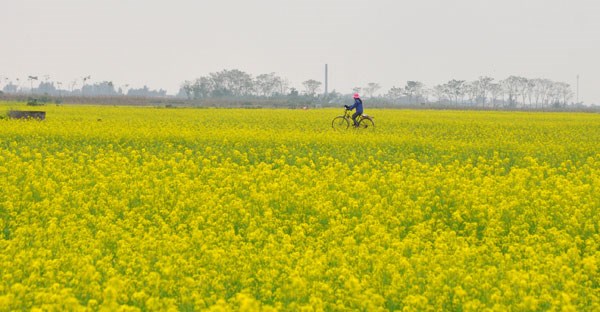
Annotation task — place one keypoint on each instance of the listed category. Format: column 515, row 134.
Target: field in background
column 192, row 209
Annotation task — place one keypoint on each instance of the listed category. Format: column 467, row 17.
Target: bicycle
column 343, row 122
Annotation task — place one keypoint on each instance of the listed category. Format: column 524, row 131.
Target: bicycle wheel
column 366, row 123
column 340, row 123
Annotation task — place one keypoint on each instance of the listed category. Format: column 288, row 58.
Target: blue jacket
column 358, row 105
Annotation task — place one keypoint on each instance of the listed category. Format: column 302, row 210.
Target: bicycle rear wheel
column 366, row 123
column 340, row 123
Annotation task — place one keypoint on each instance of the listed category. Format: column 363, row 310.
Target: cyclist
column 358, row 104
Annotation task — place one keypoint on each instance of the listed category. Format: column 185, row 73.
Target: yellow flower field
column 123, row 208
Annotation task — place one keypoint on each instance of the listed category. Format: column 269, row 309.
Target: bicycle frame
column 347, row 116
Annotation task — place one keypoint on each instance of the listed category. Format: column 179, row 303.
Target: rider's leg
column 356, row 114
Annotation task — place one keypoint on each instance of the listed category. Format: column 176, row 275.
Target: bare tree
column 413, row 89
column 263, row 85
column 522, row 87
column 564, row 92
column 283, row 85
column 440, row 92
column 395, row 94
column 511, row 87
column 530, row 90
column 472, row 91
column 187, row 88
column 543, row 90
column 456, row 89
column 495, row 91
column 537, row 90
column 230, row 83
column 267, row 84
column 371, row 88
column 483, row 88
column 311, row 87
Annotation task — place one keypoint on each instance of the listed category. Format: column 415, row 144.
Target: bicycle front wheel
column 340, row 123
column 366, row 123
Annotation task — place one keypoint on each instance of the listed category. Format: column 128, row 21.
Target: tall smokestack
column 325, row 79
column 577, row 86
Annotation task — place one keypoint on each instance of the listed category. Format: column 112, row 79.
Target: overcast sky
column 163, row 43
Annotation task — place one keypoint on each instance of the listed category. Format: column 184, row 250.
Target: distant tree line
column 79, row 87
column 234, row 84
column 513, row 91
column 485, row 92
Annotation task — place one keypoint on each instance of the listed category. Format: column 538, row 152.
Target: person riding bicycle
column 358, row 104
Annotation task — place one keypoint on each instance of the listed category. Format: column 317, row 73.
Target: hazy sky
column 163, row 43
